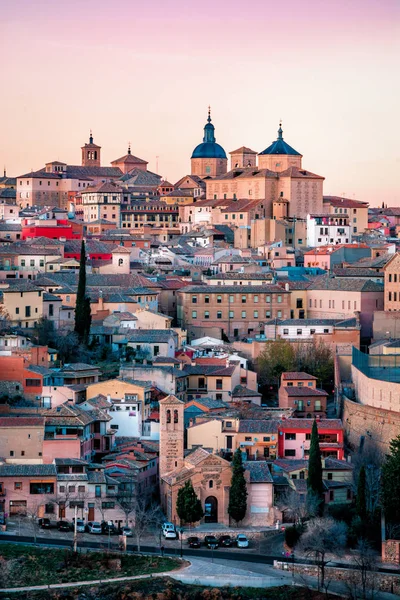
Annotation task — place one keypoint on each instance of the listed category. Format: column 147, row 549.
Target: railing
column 377, row 366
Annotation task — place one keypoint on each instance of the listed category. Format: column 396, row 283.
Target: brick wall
column 358, row 419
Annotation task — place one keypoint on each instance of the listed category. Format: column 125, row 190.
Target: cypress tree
column 82, row 308
column 238, row 492
column 314, row 482
column 361, row 503
column 390, row 483
column 188, row 505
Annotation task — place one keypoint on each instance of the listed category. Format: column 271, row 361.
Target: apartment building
column 230, row 310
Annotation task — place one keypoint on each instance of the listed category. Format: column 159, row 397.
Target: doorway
column 211, row 510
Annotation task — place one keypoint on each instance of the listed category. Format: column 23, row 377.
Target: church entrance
column 211, row 510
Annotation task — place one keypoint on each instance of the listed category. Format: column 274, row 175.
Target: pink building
column 295, row 435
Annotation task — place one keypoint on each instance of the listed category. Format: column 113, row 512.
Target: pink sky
column 146, row 72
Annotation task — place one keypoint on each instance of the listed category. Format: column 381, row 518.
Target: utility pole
column 75, row 530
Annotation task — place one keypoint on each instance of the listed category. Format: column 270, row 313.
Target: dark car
column 108, row 528
column 194, row 542
column 63, row 526
column 225, row 540
column 211, row 541
column 44, row 523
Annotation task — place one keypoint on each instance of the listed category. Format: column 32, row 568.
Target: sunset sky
column 145, row 72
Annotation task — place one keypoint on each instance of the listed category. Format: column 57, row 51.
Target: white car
column 169, row 531
column 242, row 541
column 94, row 527
column 80, row 525
column 127, row 531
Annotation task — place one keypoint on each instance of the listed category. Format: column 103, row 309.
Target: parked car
column 94, row 527
column 169, row 531
column 242, row 541
column 225, row 541
column 211, row 541
column 194, row 542
column 109, row 528
column 44, row 523
column 63, row 526
column 127, row 531
column 80, row 525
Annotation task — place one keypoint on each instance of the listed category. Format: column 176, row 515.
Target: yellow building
column 23, row 304
column 356, row 211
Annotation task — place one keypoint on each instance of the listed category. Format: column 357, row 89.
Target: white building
column 328, row 229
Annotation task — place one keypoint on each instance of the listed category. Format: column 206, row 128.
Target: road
column 232, row 554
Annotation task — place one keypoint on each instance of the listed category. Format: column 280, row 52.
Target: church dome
column 280, row 146
column 209, row 148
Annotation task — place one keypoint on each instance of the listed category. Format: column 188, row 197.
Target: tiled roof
column 234, row 289
column 345, row 285
column 72, row 477
column 242, row 276
column 259, row 471
column 297, row 375
column 258, row 426
column 241, row 391
column 70, row 462
column 289, row 465
column 196, row 456
column 96, row 477
column 303, row 392
column 336, row 464
column 8, row 470
column 244, row 150
column 150, row 335
column 339, row 202
column 21, row 422
column 307, row 424
column 299, row 484
column 360, row 272
column 209, row 403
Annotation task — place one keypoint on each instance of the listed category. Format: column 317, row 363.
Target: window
column 18, row 485
column 32, row 382
column 49, row 509
column 27, row 311
column 279, row 299
column 41, row 488
column 243, row 314
column 231, row 299
column 51, row 310
column 108, row 504
column 244, row 299
column 168, row 416
column 176, row 416
column 266, row 439
column 219, row 315
column 219, row 299
column 267, row 314
column 207, row 299
column 194, row 299
column 299, row 302
column 97, row 491
column 23, row 263
column 71, row 489
column 194, row 314
column 290, row 436
column 390, row 276
column 290, row 452
column 299, row 332
column 279, row 314
column 286, row 332
column 308, row 436
column 218, row 384
column 312, row 331
column 255, row 314
column 211, row 483
column 206, row 314
column 81, row 488
column 248, row 439
column 268, row 299
column 255, row 299
column 231, row 314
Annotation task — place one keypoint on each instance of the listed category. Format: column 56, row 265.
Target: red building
column 64, row 229
column 295, row 435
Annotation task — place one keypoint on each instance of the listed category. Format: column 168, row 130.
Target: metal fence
column 377, row 366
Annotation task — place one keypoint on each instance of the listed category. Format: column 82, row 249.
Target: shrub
column 292, row 535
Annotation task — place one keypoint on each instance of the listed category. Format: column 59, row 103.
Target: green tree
column 82, row 308
column 188, row 505
column 276, row 358
column 361, row 503
column 238, row 492
column 391, row 483
column 314, row 481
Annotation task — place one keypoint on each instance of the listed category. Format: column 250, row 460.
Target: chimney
column 109, row 397
column 101, row 302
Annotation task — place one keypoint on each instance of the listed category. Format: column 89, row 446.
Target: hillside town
column 221, row 351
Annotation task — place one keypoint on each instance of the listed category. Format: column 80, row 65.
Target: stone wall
column 11, row 388
column 377, row 426
column 385, row 582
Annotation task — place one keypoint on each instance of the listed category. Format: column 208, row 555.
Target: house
column 298, row 391
column 328, row 229
column 149, row 343
column 355, row 209
column 295, row 436
column 26, row 489
column 21, row 438
column 23, row 303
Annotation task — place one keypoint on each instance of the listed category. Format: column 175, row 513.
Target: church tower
column 171, row 434
column 209, row 158
column 91, row 154
column 279, row 156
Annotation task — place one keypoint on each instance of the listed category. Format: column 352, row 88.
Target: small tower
column 279, row 156
column 209, row 158
column 121, row 260
column 91, row 153
column 171, row 434
column 243, row 157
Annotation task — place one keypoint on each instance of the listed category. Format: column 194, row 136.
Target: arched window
column 95, row 154
column 120, row 262
column 88, row 155
column 211, row 483
column 175, row 416
column 168, row 416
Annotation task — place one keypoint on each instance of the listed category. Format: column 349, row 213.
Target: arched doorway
column 211, row 510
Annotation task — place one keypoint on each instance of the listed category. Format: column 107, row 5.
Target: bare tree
column 323, row 537
column 297, row 507
column 362, row 582
column 32, row 515
column 126, row 498
column 147, row 519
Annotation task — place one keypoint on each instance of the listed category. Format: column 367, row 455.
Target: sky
column 145, row 72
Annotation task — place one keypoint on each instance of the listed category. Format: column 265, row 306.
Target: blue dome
column 280, row 146
column 209, row 148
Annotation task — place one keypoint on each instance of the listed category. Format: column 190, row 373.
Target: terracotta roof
column 243, row 149
column 21, row 422
column 339, row 202
column 303, row 391
column 307, row 424
column 8, row 470
column 103, row 187
column 297, row 375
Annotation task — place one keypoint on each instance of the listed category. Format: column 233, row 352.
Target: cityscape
column 199, row 373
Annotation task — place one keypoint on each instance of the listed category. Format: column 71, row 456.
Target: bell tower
column 171, row 434
column 91, row 153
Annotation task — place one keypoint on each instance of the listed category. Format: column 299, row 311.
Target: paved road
column 231, row 554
